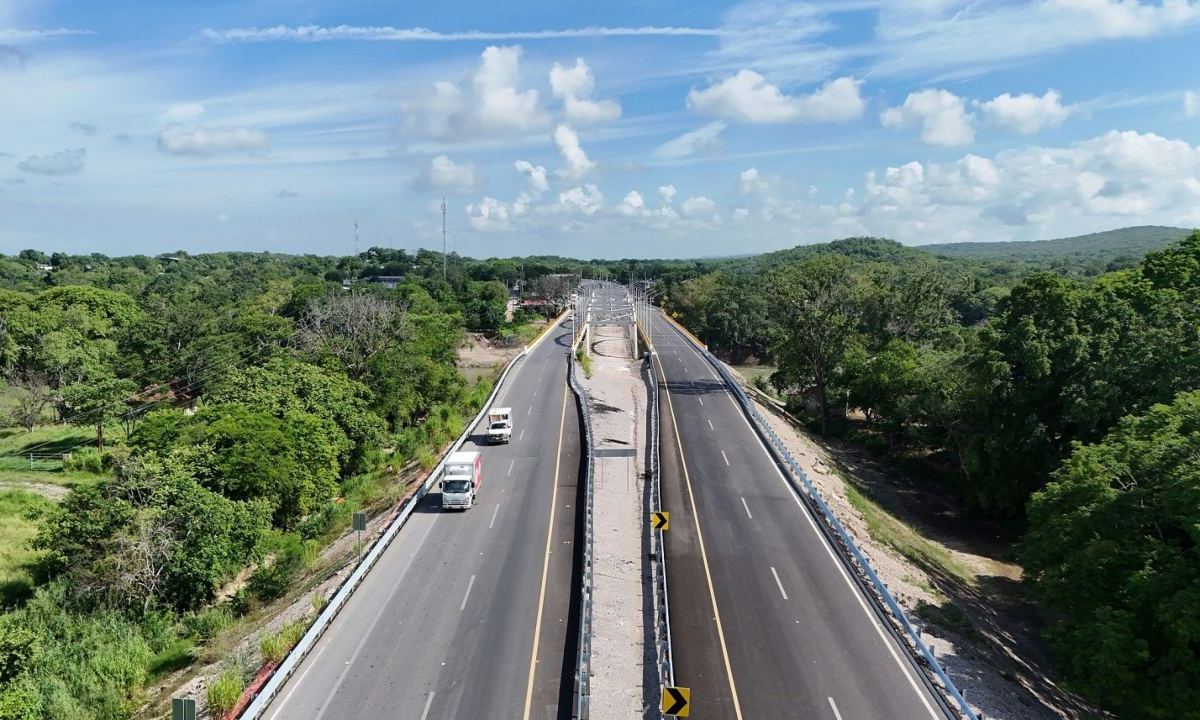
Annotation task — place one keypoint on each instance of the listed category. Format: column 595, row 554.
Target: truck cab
column 499, row 425
column 461, row 479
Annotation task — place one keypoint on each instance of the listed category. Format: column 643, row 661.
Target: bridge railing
column 658, row 553
column 858, row 562
column 581, row 705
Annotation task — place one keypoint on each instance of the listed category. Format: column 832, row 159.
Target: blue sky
column 616, row 129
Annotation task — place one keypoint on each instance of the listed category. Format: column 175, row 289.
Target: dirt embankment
column 950, row 572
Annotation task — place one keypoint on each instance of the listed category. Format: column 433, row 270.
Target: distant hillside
column 1090, row 254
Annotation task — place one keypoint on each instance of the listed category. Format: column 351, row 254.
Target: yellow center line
column 537, row 626
column 737, row 708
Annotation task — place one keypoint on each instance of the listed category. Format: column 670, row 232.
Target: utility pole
column 443, row 238
column 355, row 238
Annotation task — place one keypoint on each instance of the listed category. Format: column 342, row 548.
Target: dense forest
column 1084, row 254
column 230, row 411
column 1064, row 405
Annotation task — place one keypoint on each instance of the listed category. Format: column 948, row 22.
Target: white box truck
column 499, row 425
column 461, row 480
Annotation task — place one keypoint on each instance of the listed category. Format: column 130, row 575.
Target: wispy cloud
column 385, row 33
column 10, row 35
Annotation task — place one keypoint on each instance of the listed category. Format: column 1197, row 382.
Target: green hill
column 1091, row 254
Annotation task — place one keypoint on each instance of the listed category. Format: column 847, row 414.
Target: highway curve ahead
column 788, row 634
column 444, row 626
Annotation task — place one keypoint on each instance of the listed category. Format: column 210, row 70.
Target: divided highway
column 765, row 620
column 467, row 614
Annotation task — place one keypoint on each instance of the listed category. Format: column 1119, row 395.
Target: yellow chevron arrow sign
column 660, row 520
column 677, row 701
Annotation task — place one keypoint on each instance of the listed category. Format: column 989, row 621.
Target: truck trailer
column 461, row 479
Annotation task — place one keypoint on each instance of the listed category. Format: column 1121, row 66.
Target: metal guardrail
column 658, row 552
column 583, row 661
column 340, row 597
column 858, row 561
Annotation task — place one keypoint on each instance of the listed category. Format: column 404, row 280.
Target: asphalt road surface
column 765, row 620
column 467, row 614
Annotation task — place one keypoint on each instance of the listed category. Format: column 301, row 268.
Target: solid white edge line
column 345, row 670
column 778, row 584
column 832, row 704
column 747, row 509
column 470, row 584
column 429, row 702
column 299, row 682
column 888, row 641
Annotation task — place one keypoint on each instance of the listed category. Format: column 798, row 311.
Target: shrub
column 272, row 580
column 18, row 646
column 277, row 645
column 319, row 602
column 87, row 460
column 21, row 700
column 225, row 690
column 205, row 624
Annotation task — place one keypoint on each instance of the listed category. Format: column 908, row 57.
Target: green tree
column 99, row 403
column 284, row 385
column 1112, row 546
column 818, row 305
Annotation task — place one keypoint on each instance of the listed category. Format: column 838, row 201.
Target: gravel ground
column 986, row 664
column 618, row 400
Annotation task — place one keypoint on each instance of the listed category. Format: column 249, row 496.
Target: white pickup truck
column 499, row 425
column 461, row 480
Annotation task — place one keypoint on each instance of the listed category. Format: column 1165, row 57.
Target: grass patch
column 17, row 528
column 947, row 615
column 900, row 536
column 66, row 478
column 225, row 690
column 47, row 443
column 179, row 654
column 585, row 362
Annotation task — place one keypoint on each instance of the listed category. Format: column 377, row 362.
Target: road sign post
column 183, row 709
column 359, row 523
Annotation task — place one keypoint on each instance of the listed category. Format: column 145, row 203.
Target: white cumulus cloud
column 536, row 173
column 178, row 139
column 442, row 173
column 586, row 199
column 1026, row 113
column 63, row 162
column 702, row 139
column 748, row 97
column 697, row 205
column 632, row 205
column 1191, row 104
column 487, row 103
column 574, row 86
column 488, row 214
column 942, row 115
column 572, row 153
column 667, row 193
